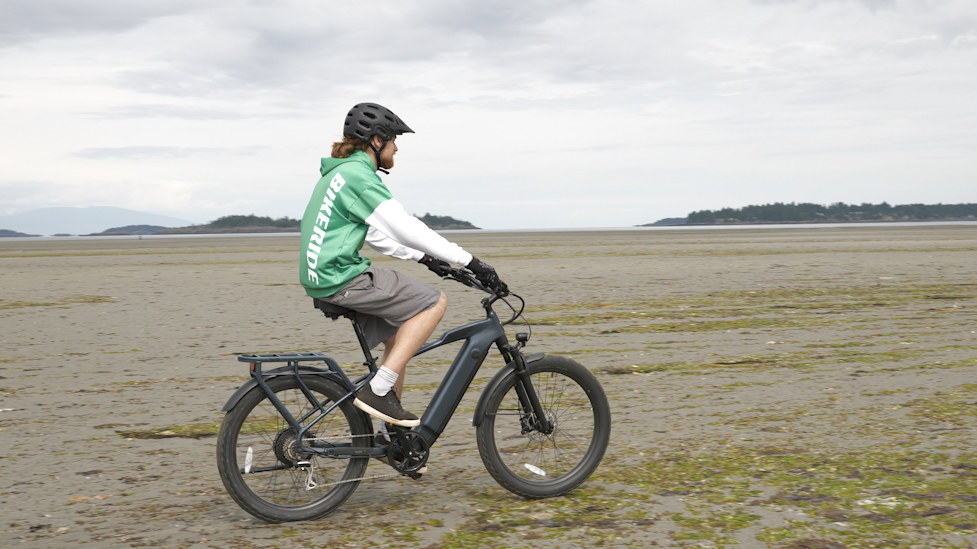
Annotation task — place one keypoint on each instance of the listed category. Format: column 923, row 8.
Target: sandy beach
column 808, row 388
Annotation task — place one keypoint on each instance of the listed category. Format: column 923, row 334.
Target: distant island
column 5, row 233
column 240, row 224
column 259, row 224
column 244, row 224
column 444, row 222
column 128, row 230
column 839, row 212
column 665, row 222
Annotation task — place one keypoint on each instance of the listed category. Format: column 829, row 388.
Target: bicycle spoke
column 271, row 438
column 539, row 457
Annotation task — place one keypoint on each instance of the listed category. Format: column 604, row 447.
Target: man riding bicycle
column 351, row 205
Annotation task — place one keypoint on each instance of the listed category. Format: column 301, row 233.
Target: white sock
column 383, row 381
column 383, row 430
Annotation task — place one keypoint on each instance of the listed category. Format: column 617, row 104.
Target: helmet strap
column 377, row 152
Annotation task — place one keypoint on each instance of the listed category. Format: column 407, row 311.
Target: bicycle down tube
column 479, row 336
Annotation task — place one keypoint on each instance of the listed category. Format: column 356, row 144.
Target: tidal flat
column 801, row 388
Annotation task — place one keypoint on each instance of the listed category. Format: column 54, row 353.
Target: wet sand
column 769, row 388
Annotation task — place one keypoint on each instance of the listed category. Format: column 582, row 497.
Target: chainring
column 414, row 458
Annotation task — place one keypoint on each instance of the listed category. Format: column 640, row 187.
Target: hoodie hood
column 329, row 164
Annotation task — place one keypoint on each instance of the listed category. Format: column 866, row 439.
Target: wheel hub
column 530, row 425
column 286, row 448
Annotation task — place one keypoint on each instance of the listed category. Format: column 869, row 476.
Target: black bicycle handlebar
column 467, row 278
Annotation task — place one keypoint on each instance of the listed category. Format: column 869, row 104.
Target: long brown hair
column 346, row 147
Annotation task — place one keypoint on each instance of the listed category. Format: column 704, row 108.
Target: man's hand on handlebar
column 485, row 274
column 438, row 267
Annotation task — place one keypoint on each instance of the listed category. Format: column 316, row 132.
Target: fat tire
column 552, row 367
column 230, row 469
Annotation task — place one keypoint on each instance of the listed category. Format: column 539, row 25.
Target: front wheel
column 536, row 465
column 257, row 453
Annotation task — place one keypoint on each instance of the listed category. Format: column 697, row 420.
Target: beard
column 387, row 162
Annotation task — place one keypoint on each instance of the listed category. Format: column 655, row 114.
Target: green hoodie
column 334, row 225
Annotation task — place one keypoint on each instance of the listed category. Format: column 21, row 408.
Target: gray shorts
column 385, row 299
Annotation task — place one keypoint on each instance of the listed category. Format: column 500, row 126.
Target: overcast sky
column 528, row 114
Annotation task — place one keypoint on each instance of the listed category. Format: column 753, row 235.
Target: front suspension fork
column 527, row 393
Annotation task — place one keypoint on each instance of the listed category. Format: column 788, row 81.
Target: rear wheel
column 536, row 465
column 260, row 466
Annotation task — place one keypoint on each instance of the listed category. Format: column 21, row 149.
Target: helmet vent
column 370, row 115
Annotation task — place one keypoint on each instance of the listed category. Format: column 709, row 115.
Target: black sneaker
column 387, row 407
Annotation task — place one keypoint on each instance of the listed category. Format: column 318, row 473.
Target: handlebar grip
column 467, row 278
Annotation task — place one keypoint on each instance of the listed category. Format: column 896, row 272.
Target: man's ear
column 376, row 141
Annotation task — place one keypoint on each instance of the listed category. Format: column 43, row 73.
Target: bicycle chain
column 372, row 477
column 338, row 437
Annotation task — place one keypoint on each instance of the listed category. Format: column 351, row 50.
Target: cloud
column 641, row 96
column 508, row 55
column 870, row 4
column 139, row 153
column 307, row 48
column 187, row 113
column 168, row 111
column 516, row 55
column 27, row 20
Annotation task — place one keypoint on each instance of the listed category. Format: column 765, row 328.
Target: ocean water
column 811, row 226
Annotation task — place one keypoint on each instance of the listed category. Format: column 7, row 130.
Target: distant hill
column 444, row 222
column 839, row 212
column 240, row 224
column 95, row 219
column 258, row 224
column 131, row 229
column 4, row 233
column 668, row 221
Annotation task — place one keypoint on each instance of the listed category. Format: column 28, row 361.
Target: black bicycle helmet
column 368, row 119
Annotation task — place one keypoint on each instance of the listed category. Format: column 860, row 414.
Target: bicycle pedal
column 412, row 475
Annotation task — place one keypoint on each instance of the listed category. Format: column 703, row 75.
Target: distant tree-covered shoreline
column 839, row 212
column 240, row 224
column 444, row 222
column 263, row 224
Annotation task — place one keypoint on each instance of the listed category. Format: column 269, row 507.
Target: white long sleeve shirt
column 395, row 233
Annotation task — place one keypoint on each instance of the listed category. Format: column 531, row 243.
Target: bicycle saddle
column 332, row 311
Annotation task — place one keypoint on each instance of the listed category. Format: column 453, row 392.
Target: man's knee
column 442, row 304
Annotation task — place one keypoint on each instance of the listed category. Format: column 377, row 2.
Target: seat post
column 371, row 362
column 336, row 311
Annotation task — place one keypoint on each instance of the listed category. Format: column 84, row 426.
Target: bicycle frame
column 478, row 337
